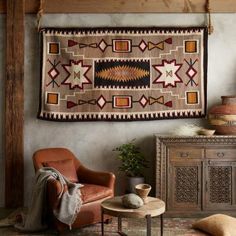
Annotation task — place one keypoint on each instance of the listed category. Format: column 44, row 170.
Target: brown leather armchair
column 98, row 186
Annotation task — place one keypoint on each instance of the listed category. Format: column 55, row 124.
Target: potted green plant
column 133, row 163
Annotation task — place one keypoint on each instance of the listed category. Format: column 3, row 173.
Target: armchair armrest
column 54, row 189
column 86, row 175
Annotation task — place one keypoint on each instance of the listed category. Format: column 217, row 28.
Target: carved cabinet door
column 184, row 185
column 220, row 185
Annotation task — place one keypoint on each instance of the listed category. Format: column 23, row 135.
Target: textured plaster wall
column 93, row 142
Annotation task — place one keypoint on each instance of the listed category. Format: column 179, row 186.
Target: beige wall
column 93, row 142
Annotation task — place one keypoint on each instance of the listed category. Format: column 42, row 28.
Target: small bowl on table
column 206, row 132
column 143, row 190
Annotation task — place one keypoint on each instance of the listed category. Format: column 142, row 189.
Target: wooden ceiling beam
column 127, row 6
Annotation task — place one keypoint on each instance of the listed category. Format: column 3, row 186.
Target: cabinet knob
column 184, row 154
column 220, row 154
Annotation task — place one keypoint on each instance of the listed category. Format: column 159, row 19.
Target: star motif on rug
column 168, row 73
column 77, row 74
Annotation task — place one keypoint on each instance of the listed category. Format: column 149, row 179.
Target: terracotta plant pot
column 143, row 190
column 223, row 117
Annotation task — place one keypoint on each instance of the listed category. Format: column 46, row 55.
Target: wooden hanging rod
column 127, row 6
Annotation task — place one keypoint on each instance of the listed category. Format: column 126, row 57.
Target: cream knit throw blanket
column 70, row 202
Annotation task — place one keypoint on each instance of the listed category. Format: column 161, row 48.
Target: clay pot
column 223, row 117
column 143, row 190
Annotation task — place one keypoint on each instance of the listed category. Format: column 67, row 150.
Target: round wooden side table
column 113, row 207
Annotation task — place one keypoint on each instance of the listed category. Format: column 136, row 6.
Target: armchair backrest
column 53, row 154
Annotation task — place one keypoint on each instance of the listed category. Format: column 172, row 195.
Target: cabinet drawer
column 225, row 153
column 185, row 153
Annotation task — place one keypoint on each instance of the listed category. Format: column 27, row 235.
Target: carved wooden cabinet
column 196, row 175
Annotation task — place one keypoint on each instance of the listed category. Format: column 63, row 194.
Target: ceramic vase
column 143, row 190
column 131, row 182
column 223, row 117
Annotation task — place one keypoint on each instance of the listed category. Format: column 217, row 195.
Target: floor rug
column 133, row 227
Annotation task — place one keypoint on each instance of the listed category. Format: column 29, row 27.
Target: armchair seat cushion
column 91, row 192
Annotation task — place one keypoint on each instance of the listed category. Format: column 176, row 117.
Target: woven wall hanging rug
column 123, row 73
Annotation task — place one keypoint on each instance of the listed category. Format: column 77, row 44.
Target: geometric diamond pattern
column 101, row 101
column 191, row 72
column 102, row 45
column 142, row 45
column 143, row 101
column 53, row 73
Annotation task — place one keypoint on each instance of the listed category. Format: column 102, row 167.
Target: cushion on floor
column 217, row 225
column 91, row 192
